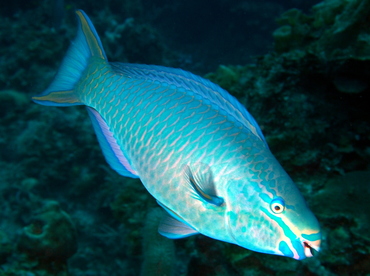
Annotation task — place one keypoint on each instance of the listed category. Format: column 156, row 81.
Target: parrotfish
column 195, row 148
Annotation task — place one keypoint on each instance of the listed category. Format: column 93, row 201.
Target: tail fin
column 87, row 44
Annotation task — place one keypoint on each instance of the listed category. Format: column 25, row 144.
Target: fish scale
column 195, row 148
column 204, row 151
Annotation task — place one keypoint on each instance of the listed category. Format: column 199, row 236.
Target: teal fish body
column 195, row 148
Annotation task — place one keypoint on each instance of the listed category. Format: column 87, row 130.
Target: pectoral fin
column 200, row 178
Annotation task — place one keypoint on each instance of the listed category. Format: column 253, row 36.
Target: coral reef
column 44, row 245
column 24, row 58
column 159, row 252
column 342, row 205
column 51, row 235
column 6, row 246
column 353, row 189
column 11, row 101
column 334, row 30
column 50, row 239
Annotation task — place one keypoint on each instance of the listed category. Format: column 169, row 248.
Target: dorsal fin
column 199, row 87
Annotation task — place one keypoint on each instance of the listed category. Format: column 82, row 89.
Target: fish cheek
column 251, row 231
column 258, row 229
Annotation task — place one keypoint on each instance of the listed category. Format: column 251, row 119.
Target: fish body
column 195, row 148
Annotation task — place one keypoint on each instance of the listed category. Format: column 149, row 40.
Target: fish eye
column 277, row 205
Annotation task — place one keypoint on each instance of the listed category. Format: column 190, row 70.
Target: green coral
column 158, row 251
column 43, row 246
column 24, row 58
column 51, row 236
column 342, row 197
column 133, row 197
column 6, row 246
column 11, row 102
column 342, row 209
column 334, row 29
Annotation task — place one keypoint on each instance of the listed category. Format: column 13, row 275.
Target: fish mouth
column 309, row 247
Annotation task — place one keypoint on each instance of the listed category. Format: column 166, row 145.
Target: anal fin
column 112, row 151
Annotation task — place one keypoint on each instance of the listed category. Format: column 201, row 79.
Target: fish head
column 271, row 217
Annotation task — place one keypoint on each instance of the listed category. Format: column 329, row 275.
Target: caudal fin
column 87, row 44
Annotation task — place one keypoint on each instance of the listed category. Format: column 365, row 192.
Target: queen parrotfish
column 195, row 148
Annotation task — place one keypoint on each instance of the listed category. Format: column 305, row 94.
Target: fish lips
column 310, row 246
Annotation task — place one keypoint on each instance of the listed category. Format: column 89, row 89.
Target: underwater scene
column 185, row 138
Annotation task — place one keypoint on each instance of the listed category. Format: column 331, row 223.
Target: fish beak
column 309, row 245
